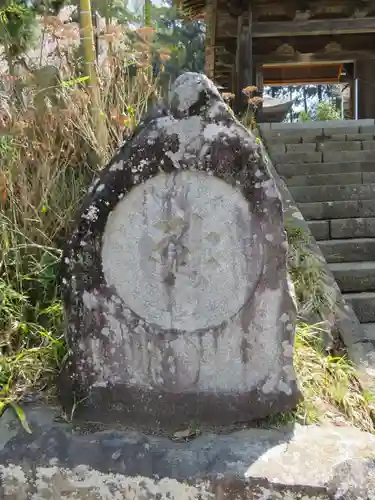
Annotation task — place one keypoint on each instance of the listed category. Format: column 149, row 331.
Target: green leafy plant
column 327, row 111
column 310, row 283
column 304, row 116
column 17, row 30
column 32, row 344
column 329, row 384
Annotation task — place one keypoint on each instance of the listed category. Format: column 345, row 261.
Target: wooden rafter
column 314, row 27
column 302, row 74
column 299, row 27
column 297, row 58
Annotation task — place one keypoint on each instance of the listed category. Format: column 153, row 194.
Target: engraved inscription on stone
column 180, row 251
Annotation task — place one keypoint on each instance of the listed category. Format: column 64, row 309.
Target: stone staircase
column 329, row 168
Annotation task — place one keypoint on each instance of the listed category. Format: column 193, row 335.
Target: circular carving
column 181, row 251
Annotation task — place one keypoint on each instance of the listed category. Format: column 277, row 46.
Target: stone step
column 361, row 136
column 351, row 228
column 344, row 156
column 368, row 177
column 339, row 146
column 363, row 305
column 364, row 136
column 289, row 170
column 369, row 331
column 329, row 126
column 281, row 158
column 368, row 145
column 312, row 194
column 326, row 179
column 304, row 147
column 326, row 128
column 320, row 229
column 277, row 148
column 342, row 228
column 354, row 276
column 292, row 137
column 351, row 250
column 337, row 209
column 303, row 136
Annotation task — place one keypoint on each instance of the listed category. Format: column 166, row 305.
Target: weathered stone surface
column 338, row 209
column 305, row 147
column 319, row 229
column 282, row 158
column 348, row 250
column 341, row 129
column 330, row 125
column 312, row 194
column 369, row 332
column 290, row 170
column 353, row 228
column 368, row 136
column 353, row 480
column 326, row 179
column 368, row 177
column 175, row 278
column 363, row 305
column 277, row 148
column 53, row 483
column 366, row 145
column 293, row 136
column 354, row 276
column 59, row 462
column 367, row 128
column 340, row 146
column 342, row 156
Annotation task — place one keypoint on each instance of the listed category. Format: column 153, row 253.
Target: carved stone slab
column 176, row 291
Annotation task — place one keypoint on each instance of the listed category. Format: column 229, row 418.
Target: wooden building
column 281, row 42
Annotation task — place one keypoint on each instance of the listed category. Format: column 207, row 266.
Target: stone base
column 126, row 406
column 81, row 483
column 59, row 461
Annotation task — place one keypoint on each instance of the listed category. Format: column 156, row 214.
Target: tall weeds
column 48, row 157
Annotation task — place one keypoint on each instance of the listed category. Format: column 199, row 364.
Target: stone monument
column 179, row 307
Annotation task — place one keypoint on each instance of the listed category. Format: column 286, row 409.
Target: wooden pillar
column 259, row 83
column 366, row 88
column 238, row 70
column 351, row 99
column 355, row 101
column 211, row 23
column 249, row 70
column 234, row 78
column 350, row 79
column 244, row 60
